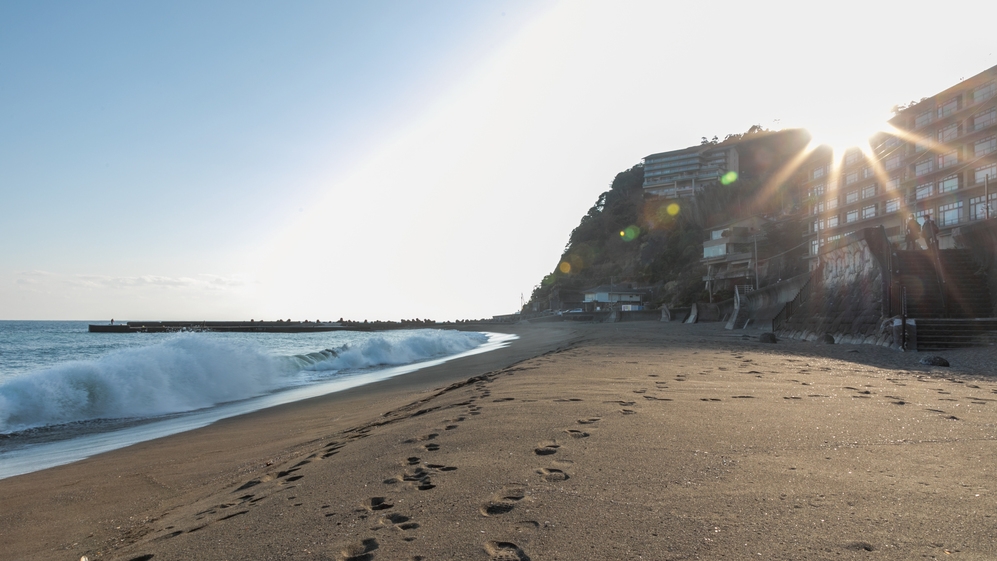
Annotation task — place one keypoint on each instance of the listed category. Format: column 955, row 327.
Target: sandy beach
column 616, row 441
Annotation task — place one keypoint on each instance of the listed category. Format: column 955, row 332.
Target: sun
column 843, row 130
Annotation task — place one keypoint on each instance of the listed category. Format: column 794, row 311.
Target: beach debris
column 934, row 361
column 767, row 338
column 827, row 339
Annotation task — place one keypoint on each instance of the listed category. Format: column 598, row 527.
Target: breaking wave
column 194, row 371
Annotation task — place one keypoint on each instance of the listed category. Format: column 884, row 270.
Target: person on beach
column 913, row 229
column 929, row 231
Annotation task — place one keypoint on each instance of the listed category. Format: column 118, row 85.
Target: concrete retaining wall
column 757, row 308
column 848, row 300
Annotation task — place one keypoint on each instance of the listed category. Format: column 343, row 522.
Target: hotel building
column 677, row 174
column 942, row 161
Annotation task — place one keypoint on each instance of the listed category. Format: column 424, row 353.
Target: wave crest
column 194, row 371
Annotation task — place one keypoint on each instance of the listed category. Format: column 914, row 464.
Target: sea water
column 66, row 394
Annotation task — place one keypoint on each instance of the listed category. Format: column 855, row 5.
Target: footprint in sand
column 505, row 551
column 546, row 448
column 431, row 447
column 589, row 421
column 423, row 438
column 552, row 474
column 378, row 503
column 359, row 550
column 399, row 521
column 503, row 501
column 628, row 412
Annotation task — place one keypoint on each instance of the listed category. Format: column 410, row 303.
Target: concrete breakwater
column 222, row 326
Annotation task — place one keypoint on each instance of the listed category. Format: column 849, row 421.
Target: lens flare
column 564, row 267
column 728, row 178
column 630, row 233
column 673, row 209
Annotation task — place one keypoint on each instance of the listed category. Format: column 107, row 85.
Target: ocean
column 66, row 394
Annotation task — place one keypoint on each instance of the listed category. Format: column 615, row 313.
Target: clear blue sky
column 388, row 160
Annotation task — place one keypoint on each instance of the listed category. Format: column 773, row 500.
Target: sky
column 393, row 159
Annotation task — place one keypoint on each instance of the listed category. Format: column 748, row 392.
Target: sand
column 618, row 441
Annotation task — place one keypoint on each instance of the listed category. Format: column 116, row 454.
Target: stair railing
column 903, row 317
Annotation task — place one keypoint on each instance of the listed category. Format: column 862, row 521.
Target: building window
column 832, row 203
column 893, row 205
column 852, row 157
column 832, row 221
column 716, row 234
column 922, row 168
column 924, row 191
column 818, row 172
column 892, row 141
column 851, row 197
column 893, row 184
column 815, row 228
column 869, row 191
column 893, row 162
column 851, row 216
column 818, row 189
column 978, row 209
column 819, row 208
column 948, row 108
column 948, row 133
column 949, row 159
column 868, row 211
column 715, row 251
column 851, row 178
column 984, row 92
column 921, row 145
column 982, row 173
column 949, row 215
column 923, row 119
column 950, row 183
column 984, row 119
column 867, row 172
column 985, row 146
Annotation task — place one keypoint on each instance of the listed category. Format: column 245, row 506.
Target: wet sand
column 622, row 441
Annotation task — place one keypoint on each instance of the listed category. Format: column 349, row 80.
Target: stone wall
column 847, row 301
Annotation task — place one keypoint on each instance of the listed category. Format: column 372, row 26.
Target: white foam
column 194, row 371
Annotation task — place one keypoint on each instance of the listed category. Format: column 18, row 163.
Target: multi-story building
column 940, row 160
column 730, row 255
column 677, row 174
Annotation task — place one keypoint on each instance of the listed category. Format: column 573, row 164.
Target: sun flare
column 842, row 131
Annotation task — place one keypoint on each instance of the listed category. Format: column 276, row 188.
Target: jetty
column 220, row 326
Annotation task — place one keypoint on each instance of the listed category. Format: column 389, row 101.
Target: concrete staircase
column 956, row 316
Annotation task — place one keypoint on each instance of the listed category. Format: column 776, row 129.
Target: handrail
column 903, row 317
column 802, row 296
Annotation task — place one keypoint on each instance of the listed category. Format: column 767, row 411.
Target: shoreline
column 582, row 441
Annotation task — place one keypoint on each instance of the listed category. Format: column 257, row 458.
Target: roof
column 615, row 289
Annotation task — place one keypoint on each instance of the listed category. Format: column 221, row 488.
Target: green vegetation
column 627, row 239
